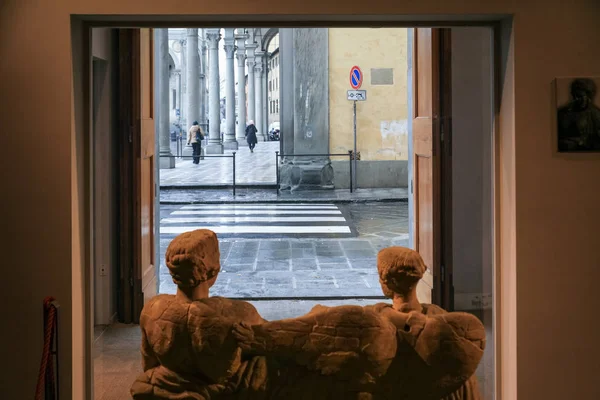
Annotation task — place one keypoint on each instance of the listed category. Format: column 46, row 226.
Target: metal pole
column 234, row 173
column 354, row 154
column 277, row 169
column 350, row 169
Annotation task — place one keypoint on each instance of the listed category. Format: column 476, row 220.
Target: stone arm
column 284, row 338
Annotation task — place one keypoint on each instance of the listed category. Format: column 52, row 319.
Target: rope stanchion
column 47, row 385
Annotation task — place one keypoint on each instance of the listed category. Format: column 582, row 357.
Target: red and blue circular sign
column 356, row 77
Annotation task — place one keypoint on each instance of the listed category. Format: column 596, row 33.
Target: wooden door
column 138, row 275
column 431, row 97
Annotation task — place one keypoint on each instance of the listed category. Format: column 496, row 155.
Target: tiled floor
column 251, row 168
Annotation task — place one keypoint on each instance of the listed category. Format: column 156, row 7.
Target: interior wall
column 547, row 207
column 472, row 113
column 104, row 171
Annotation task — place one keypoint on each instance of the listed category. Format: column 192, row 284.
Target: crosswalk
column 259, row 220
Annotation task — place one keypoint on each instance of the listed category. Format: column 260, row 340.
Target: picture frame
column 578, row 114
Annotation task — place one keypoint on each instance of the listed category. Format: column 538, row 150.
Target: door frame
column 501, row 25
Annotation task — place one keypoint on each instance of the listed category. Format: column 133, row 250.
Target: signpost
column 356, row 79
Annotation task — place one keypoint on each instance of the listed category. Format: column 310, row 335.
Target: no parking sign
column 356, row 77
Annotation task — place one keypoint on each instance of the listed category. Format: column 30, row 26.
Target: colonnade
column 193, row 78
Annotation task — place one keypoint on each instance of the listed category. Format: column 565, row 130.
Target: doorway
column 424, row 107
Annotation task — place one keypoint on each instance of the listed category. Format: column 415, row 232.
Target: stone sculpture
column 188, row 350
column 198, row 347
column 400, row 351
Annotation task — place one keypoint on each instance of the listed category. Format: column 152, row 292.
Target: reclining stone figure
column 415, row 351
column 188, row 350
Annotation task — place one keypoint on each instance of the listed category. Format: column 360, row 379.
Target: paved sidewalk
column 251, row 168
column 225, row 196
column 306, row 267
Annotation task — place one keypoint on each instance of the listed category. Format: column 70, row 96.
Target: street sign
column 359, row 95
column 356, row 77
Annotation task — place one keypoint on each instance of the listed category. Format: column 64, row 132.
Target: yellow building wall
column 381, row 120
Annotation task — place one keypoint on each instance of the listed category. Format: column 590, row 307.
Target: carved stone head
column 193, row 258
column 400, row 269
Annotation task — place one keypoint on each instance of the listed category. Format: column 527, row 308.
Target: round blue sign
column 356, row 77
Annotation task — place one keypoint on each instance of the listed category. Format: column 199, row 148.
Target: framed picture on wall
column 578, row 114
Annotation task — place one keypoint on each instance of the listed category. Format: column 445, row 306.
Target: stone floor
column 292, row 265
column 251, row 168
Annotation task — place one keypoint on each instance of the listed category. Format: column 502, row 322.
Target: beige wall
column 548, row 212
column 381, row 122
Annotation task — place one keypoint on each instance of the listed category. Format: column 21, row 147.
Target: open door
column 138, row 277
column 430, row 157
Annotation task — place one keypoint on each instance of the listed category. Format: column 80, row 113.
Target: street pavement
column 317, row 250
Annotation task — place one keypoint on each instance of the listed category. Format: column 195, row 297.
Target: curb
column 290, row 201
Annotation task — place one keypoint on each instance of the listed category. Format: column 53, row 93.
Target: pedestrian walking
column 195, row 137
column 251, row 136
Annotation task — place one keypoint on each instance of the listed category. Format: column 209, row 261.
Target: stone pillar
column 311, row 115
column 214, row 105
column 250, row 47
column 265, row 85
column 203, row 93
column 229, row 141
column 193, row 85
column 241, row 86
column 184, row 89
column 259, row 96
column 286, row 100
column 162, row 97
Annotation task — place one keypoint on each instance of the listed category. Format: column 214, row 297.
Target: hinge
column 411, row 186
column 131, row 281
column 442, row 272
column 131, row 134
column 442, row 131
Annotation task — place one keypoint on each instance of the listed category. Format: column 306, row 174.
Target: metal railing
column 349, row 155
column 232, row 156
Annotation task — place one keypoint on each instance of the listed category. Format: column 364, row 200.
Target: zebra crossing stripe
column 190, row 220
column 254, row 212
column 260, row 206
column 257, row 229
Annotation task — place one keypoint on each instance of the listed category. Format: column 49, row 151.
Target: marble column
column 214, row 104
column 259, row 96
column 229, row 141
column 162, row 98
column 265, row 85
column 203, row 74
column 184, row 90
column 250, row 47
column 240, row 39
column 193, row 85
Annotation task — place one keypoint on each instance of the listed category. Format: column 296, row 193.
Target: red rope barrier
column 46, row 382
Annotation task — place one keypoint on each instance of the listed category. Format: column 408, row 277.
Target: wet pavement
column 246, row 195
column 276, row 265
